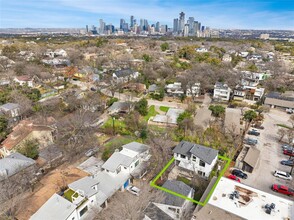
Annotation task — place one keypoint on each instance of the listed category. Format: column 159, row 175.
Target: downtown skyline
column 228, row 14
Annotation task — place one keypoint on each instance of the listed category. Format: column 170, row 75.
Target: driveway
column 270, row 155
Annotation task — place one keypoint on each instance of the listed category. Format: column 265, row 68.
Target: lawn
column 164, row 108
column 151, row 113
column 68, row 194
column 119, row 126
column 121, row 140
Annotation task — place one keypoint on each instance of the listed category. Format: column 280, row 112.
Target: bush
column 142, row 107
column 29, row 149
column 164, row 46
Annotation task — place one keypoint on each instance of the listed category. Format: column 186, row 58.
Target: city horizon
column 271, row 15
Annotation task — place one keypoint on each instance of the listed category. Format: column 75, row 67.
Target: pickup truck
column 283, row 189
column 289, row 110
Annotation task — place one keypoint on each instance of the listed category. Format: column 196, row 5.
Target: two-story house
column 172, row 207
column 221, row 91
column 24, row 80
column 125, row 75
column 195, row 157
column 176, row 89
column 11, row 110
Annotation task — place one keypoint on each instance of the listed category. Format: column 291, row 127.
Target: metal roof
column 85, row 185
column 137, row 147
column 116, row 160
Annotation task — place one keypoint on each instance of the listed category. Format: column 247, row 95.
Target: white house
column 125, row 75
column 92, row 192
column 221, row 91
column 24, row 80
column 172, row 207
column 193, row 90
column 201, row 50
column 195, row 157
column 227, row 58
column 176, row 89
column 12, row 110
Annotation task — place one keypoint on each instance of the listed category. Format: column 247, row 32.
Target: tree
column 3, row 127
column 10, row 51
column 111, row 101
column 164, row 46
column 142, row 106
column 217, row 110
column 147, row 58
column 30, row 148
column 249, row 116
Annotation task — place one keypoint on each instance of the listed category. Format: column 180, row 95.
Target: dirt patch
column 49, row 184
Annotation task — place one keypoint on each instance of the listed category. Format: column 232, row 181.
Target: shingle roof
column 137, row 147
column 116, row 160
column 178, row 187
column 123, row 73
column 155, row 213
column 204, row 153
column 85, row 185
column 9, row 106
column 56, row 208
column 14, row 163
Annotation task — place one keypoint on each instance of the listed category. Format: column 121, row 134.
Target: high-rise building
column 146, row 25
column 141, row 24
column 87, row 28
column 191, row 25
column 132, row 22
column 157, row 27
column 182, row 21
column 122, row 21
column 186, row 30
column 176, row 25
column 101, row 26
column 163, row 29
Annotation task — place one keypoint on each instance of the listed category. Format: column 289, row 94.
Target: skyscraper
column 157, row 26
column 132, row 22
column 191, row 25
column 87, row 28
column 176, row 25
column 122, row 21
column 101, row 26
column 182, row 21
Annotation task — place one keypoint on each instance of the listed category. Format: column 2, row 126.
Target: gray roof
column 9, row 106
column 56, row 208
column 14, row 163
column 170, row 117
column 123, row 73
column 120, row 106
column 137, row 147
column 116, row 160
column 155, row 213
column 287, row 96
column 153, row 88
column 206, row 154
column 178, row 187
column 85, row 185
column 220, row 85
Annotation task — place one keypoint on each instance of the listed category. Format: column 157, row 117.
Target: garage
column 251, row 159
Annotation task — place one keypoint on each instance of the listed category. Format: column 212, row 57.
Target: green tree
column 3, row 127
column 147, row 58
column 164, row 46
column 252, row 68
column 142, row 106
column 111, row 101
column 249, row 116
column 187, row 52
column 183, row 116
column 33, row 94
column 29, row 148
column 10, row 51
column 217, row 110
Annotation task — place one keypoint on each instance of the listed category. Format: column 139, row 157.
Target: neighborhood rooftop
column 116, row 160
column 85, row 185
column 204, row 153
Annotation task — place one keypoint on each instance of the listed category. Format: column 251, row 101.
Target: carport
column 251, row 159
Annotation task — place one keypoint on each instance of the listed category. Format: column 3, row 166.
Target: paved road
column 270, row 155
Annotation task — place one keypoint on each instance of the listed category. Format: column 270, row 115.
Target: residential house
column 249, row 93
column 26, row 130
column 15, row 163
column 195, row 157
column 11, row 110
column 227, row 58
column 154, row 89
column 170, row 118
column 120, row 108
column 280, row 100
column 176, row 90
column 201, row 50
column 221, row 92
column 172, row 207
column 243, row 54
column 125, row 75
column 24, row 80
column 93, row 192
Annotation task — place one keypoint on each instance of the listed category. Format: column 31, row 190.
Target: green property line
column 153, row 182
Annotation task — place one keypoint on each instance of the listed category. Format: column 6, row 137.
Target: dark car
column 239, row 173
column 253, row 132
column 251, row 141
column 287, row 162
column 258, row 126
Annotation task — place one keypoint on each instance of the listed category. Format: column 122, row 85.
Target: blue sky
column 247, row 14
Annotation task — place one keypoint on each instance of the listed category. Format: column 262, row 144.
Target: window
column 118, row 169
column 183, row 156
column 202, row 163
column 83, row 211
column 200, row 173
column 194, row 158
column 172, row 209
column 137, row 163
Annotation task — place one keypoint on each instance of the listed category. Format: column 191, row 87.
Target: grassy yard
column 119, row 125
column 68, row 194
column 151, row 113
column 164, row 108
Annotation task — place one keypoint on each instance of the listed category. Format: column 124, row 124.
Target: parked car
column 287, row 147
column 134, row 190
column 253, row 132
column 289, row 110
column 91, row 152
column 239, row 173
column 233, row 177
column 282, row 175
column 283, row 189
column 287, row 162
column 289, row 152
column 258, row 126
column 251, row 141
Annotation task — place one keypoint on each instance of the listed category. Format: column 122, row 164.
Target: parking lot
column 270, row 154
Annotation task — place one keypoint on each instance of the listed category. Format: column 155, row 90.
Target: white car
column 282, row 175
column 134, row 190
